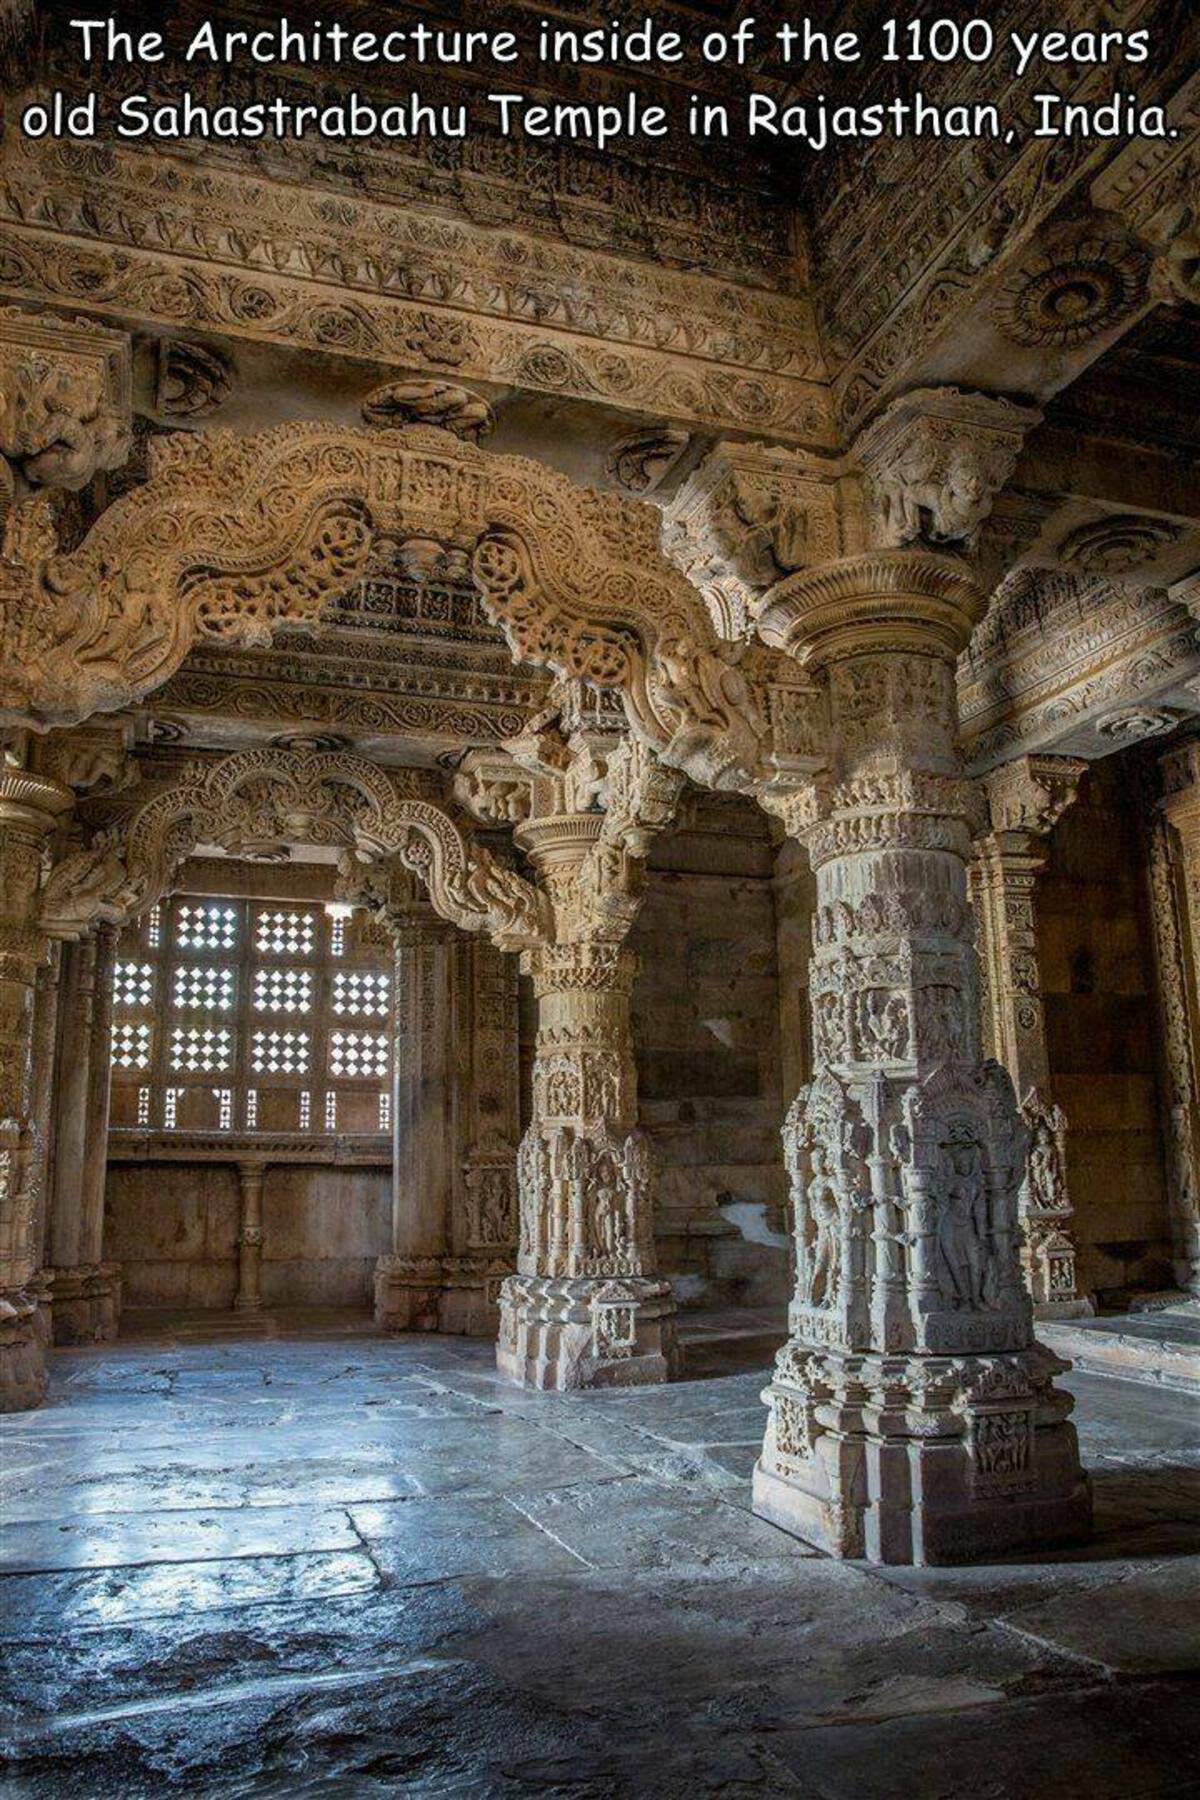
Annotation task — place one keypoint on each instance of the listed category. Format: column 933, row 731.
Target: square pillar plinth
column 566, row 1333
column 85, row 1303
column 945, row 1461
column 454, row 1295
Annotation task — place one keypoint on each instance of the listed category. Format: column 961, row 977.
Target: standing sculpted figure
column 962, row 1226
column 825, row 1210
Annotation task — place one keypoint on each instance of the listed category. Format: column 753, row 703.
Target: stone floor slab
column 393, row 1573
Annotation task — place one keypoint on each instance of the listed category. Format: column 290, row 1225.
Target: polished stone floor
column 296, row 1559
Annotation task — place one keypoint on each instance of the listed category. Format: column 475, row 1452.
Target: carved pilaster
column 30, row 806
column 912, row 1417
column 1173, row 868
column 1025, row 799
column 408, row 1282
column 486, row 1226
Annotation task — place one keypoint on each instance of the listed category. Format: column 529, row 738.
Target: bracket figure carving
column 66, row 402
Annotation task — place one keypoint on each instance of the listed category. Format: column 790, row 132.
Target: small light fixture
column 338, row 909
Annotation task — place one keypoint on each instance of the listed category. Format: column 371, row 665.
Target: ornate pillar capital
column 895, row 601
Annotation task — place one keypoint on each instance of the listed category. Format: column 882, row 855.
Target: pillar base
column 455, row 1295
column 615, row 1331
column 85, row 1303
column 22, row 1353
column 921, row 1460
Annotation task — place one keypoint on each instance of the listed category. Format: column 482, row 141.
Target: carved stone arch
column 231, row 536
column 257, row 802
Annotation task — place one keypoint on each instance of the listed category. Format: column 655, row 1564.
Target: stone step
column 1161, row 1348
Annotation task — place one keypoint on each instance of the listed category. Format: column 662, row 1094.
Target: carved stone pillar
column 484, row 1237
column 85, row 1291
column 30, row 806
column 408, row 1282
column 1173, row 855
column 251, row 1176
column 105, row 1280
column 912, row 1416
column 1025, row 800
column 585, row 1308
column 45, row 1030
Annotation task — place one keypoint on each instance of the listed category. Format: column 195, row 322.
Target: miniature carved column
column 408, row 1282
column 1025, row 800
column 912, row 1417
column 1173, row 854
column 30, row 806
column 251, row 1176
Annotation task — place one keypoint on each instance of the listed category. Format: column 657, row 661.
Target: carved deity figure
column 962, row 1225
column 1045, row 1188
column 824, row 1207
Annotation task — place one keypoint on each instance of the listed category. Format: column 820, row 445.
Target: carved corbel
column 747, row 517
column 66, row 402
column 492, row 788
column 1026, row 798
column 935, row 461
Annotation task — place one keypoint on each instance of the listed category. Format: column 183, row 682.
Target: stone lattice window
column 242, row 1017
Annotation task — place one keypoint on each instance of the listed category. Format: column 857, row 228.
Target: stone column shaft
column 45, row 1030
column 71, row 1097
column 1026, row 799
column 85, row 1291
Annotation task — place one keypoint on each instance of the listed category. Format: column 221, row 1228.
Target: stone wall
column 1097, row 972
column 173, row 1227
column 706, row 1027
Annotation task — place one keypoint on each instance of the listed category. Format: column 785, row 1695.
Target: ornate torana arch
column 255, row 803
column 231, row 536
